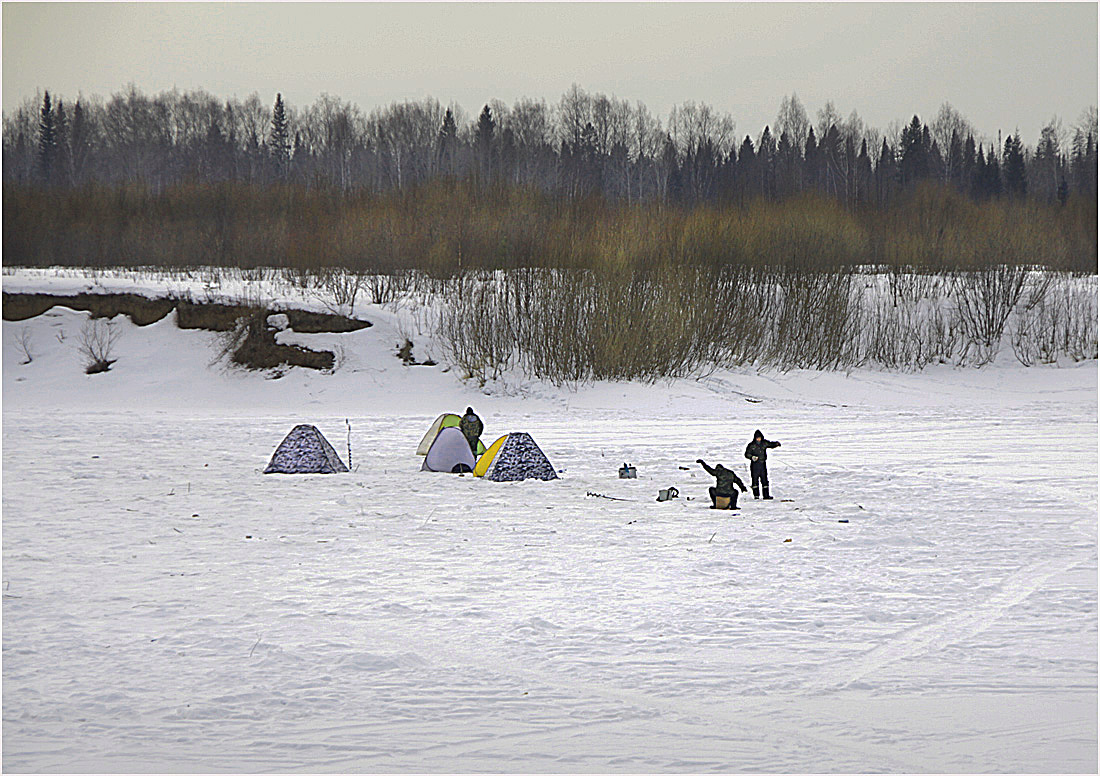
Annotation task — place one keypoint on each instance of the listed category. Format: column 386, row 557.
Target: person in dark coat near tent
column 757, row 453
column 471, row 428
column 727, row 485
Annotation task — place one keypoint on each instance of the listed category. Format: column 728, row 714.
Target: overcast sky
column 1004, row 66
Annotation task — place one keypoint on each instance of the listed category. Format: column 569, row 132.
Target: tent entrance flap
column 487, row 458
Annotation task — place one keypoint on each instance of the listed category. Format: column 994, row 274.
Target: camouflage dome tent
column 305, row 451
column 515, row 457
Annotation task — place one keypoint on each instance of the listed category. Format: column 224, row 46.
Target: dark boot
column 767, row 495
column 756, row 492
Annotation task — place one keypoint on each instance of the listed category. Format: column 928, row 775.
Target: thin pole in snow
column 349, row 443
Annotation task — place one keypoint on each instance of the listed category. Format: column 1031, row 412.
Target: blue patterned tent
column 305, row 451
column 518, row 458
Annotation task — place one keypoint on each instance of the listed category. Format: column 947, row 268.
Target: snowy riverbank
column 169, row 608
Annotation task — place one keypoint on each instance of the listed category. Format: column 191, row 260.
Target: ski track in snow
column 394, row 620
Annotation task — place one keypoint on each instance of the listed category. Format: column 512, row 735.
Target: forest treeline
column 444, row 228
column 583, row 145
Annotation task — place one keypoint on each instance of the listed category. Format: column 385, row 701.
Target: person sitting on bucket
column 471, row 428
column 757, row 453
column 727, row 485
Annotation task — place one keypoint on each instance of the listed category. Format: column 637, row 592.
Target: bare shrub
column 1078, row 303
column 910, row 284
column 387, row 288
column 818, row 324
column 338, row 290
column 96, row 343
column 1061, row 322
column 475, row 329
column 23, row 342
column 945, row 333
column 984, row 299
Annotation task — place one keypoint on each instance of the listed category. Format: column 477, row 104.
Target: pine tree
column 446, row 142
column 279, row 141
column 1046, row 168
column 864, row 176
column 994, row 187
column 955, row 165
column 765, row 162
column 979, row 176
column 937, row 167
column 969, row 159
column 590, row 170
column 788, row 167
column 47, row 139
column 832, row 162
column 61, row 159
column 886, row 173
column 727, row 176
column 1015, row 174
column 747, row 174
column 483, row 141
column 1089, row 165
column 812, row 165
column 913, row 165
column 670, row 164
column 79, row 143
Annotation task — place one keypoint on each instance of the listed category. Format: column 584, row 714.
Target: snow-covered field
column 169, row 608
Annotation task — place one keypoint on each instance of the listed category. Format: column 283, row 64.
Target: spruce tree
column 812, row 165
column 994, row 187
column 79, row 142
column 1015, row 174
column 765, row 162
column 886, row 173
column 955, row 164
column 864, row 176
column 913, row 165
column 969, row 159
column 60, row 164
column 483, row 141
column 747, row 174
column 47, row 139
column 446, row 142
column 979, row 175
column 786, row 169
column 279, row 141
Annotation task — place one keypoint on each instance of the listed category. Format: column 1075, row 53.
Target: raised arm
column 710, row 471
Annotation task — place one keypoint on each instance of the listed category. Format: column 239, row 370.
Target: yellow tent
column 488, row 457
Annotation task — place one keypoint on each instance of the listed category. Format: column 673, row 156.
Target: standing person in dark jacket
column 471, row 428
column 757, row 453
column 728, row 483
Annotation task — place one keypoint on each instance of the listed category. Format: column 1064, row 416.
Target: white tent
column 450, row 452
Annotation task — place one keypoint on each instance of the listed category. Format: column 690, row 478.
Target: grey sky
column 1002, row 65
